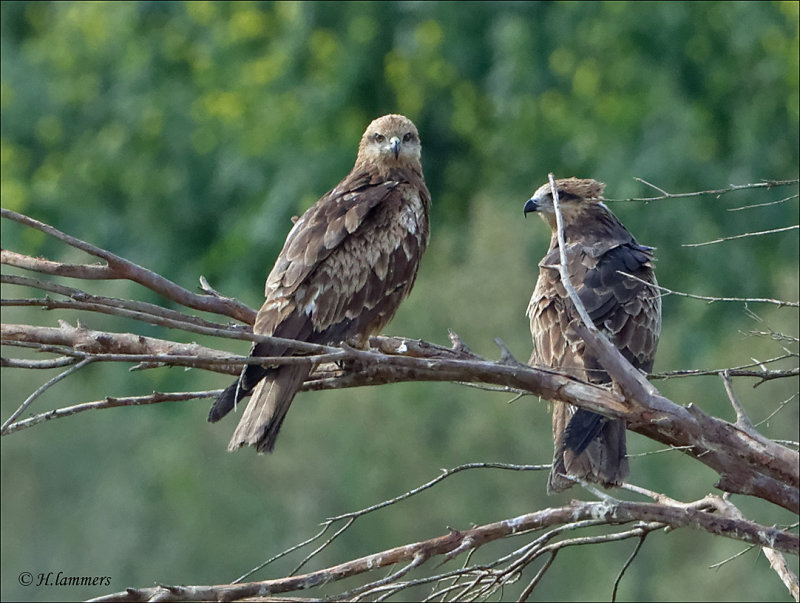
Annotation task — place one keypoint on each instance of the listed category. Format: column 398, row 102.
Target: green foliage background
column 183, row 136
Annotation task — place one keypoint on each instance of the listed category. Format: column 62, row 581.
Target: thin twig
column 736, row 371
column 39, row 391
column 444, row 475
column 710, row 300
column 781, row 406
column 120, row 268
column 108, row 402
column 627, row 565
column 716, row 192
column 659, row 451
column 532, row 584
column 754, row 205
column 741, row 236
column 291, row 549
column 323, row 546
column 744, row 551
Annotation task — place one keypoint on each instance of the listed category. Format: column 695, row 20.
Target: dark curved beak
column 395, row 142
column 530, row 205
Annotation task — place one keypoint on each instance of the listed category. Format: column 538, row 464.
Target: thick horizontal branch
column 84, row 343
column 747, row 462
column 103, row 341
column 457, row 542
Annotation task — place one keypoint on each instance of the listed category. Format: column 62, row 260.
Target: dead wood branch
column 613, row 513
column 746, row 461
column 117, row 268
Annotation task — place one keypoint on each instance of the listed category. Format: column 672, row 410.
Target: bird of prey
column 587, row 445
column 345, row 267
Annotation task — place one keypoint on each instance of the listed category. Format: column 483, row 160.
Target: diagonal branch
column 118, row 268
column 39, row 391
column 711, row 439
column 143, row 311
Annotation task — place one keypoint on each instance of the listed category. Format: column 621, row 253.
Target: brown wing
column 358, row 246
column 344, row 269
column 626, row 309
column 319, row 231
column 586, row 444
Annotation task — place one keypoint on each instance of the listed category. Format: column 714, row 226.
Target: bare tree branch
column 118, row 268
column 619, row 512
column 743, row 235
column 39, row 391
column 107, row 402
column 766, row 184
column 756, row 205
column 710, row 300
column 137, row 310
column 760, row 467
column 746, row 461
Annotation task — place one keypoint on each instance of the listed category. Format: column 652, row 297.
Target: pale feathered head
column 390, row 140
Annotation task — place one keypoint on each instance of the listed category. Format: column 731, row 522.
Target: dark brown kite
column 587, row 445
column 344, row 269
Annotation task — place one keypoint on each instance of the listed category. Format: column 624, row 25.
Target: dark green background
column 183, row 136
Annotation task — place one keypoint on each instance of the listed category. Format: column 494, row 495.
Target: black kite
column 598, row 247
column 344, row 269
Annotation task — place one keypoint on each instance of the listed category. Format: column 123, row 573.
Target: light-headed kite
column 344, row 269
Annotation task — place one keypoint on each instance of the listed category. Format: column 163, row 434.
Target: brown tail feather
column 603, row 461
column 262, row 420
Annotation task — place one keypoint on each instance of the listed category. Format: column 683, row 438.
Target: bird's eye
column 409, row 136
column 379, row 137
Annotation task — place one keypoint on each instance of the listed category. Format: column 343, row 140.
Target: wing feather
column 626, row 309
column 364, row 269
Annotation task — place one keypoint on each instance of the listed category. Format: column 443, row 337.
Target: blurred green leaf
column 184, row 136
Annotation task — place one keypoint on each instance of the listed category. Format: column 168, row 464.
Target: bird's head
column 390, row 140
column 576, row 197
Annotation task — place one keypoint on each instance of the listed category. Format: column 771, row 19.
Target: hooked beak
column 394, row 144
column 530, row 205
